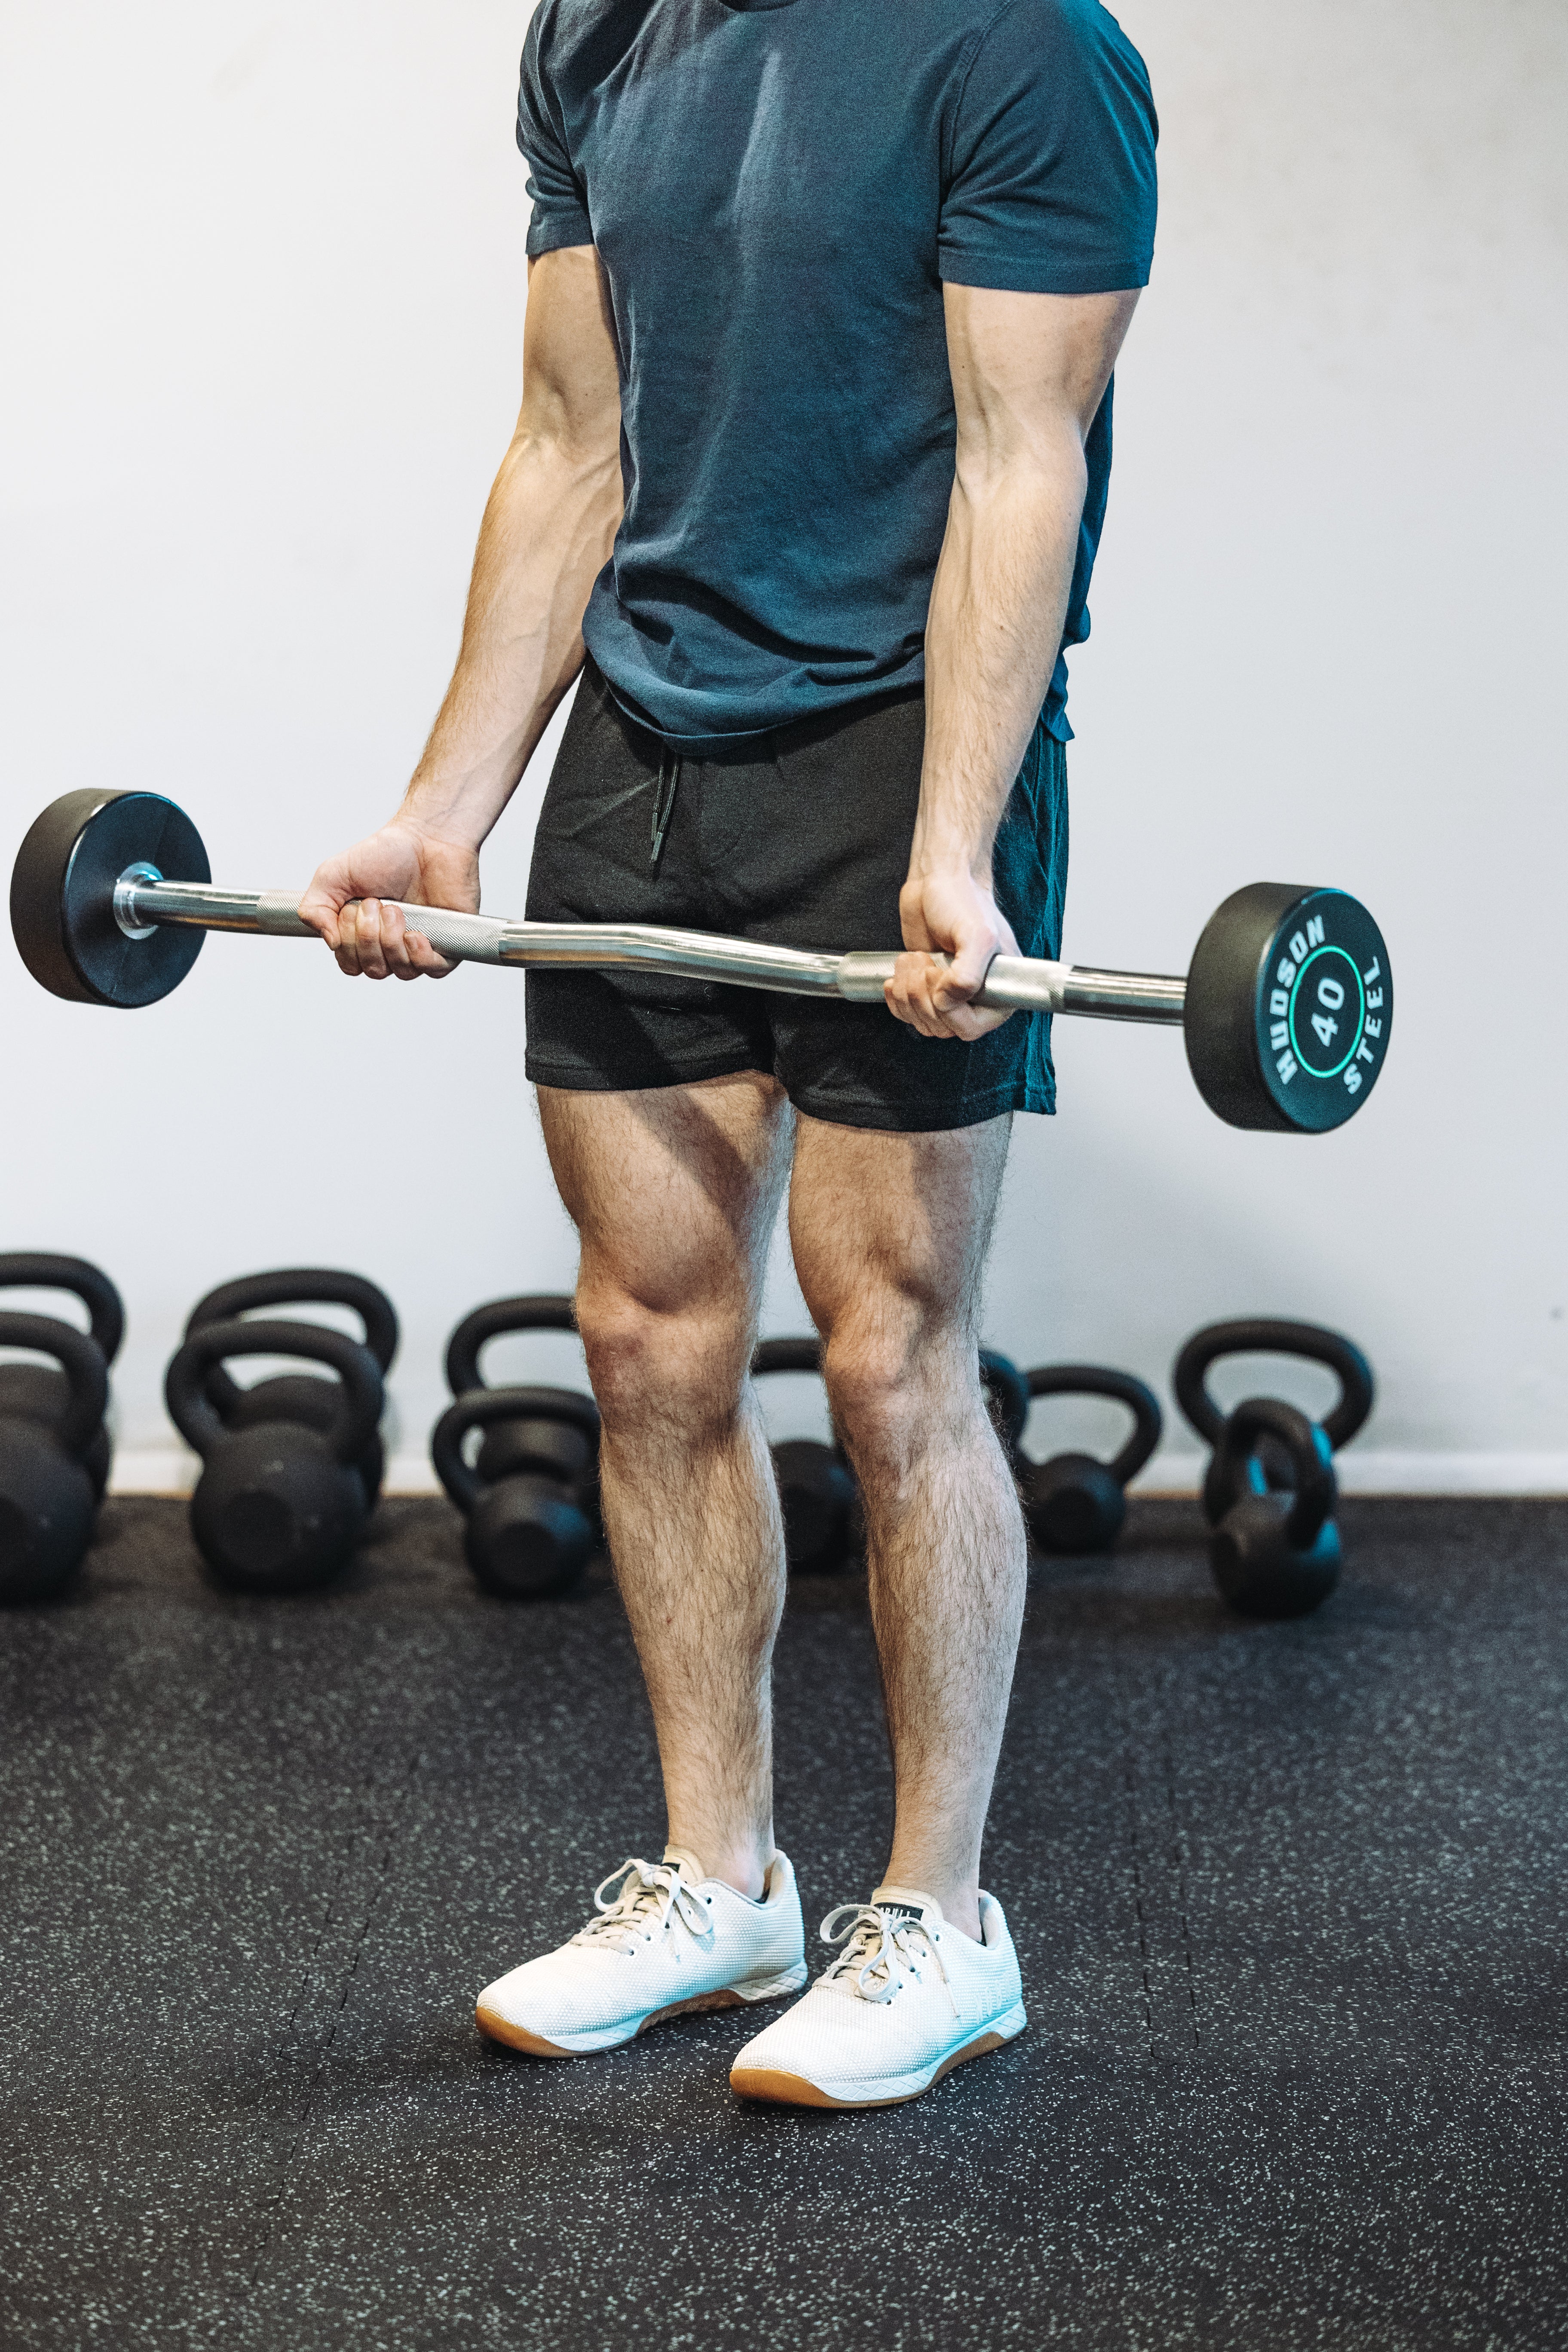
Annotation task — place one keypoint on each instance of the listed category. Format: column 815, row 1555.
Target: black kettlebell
column 300, row 1398
column 280, row 1505
column 1267, row 1335
column 1274, row 1552
column 48, row 1500
column 816, row 1487
column 502, row 1451
column 38, row 1390
column 531, row 1532
column 1271, row 1463
column 1074, row 1502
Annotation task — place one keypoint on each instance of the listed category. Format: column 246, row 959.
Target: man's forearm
column 997, row 609
column 547, row 531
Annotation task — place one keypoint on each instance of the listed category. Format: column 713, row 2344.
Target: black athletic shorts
column 802, row 838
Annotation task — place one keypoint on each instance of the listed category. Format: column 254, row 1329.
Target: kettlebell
column 35, row 1389
column 48, row 1500
column 531, row 1532
column 816, row 1487
column 1266, row 1335
column 502, row 1452
column 1074, row 1502
column 1275, row 1551
column 300, row 1398
column 279, row 1503
column 1271, row 1462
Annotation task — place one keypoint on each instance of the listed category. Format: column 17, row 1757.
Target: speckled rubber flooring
column 1290, row 1902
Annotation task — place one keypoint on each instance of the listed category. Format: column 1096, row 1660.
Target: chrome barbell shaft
column 1016, row 984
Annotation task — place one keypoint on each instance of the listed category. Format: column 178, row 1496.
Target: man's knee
column 893, row 1384
column 651, row 1367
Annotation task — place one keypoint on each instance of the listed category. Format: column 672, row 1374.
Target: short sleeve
column 560, row 207
column 1051, row 187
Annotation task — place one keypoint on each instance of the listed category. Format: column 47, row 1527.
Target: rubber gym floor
column 1289, row 1901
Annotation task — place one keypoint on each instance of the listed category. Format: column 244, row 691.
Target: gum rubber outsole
column 782, row 2090
column 518, row 2037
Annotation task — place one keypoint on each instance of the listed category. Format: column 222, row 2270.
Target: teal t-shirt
column 777, row 192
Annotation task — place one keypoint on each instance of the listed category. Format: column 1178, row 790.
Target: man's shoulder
column 563, row 30
column 1048, row 19
column 1081, row 37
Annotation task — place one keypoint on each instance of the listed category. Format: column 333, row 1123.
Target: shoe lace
column 882, row 1949
column 648, row 1896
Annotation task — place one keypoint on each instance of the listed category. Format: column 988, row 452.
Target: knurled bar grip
column 1012, row 983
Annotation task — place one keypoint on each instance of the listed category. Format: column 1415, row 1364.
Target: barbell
column 1286, row 1008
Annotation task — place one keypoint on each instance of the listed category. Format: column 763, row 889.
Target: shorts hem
column 919, row 1117
column 579, row 1081
column 922, row 1117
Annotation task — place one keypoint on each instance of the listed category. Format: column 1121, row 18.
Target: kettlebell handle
column 545, row 1310
column 1316, row 1489
column 1123, row 1388
column 43, row 1270
column 299, row 1286
column 1262, row 1336
column 479, row 1408
column 80, row 1359
column 198, row 1419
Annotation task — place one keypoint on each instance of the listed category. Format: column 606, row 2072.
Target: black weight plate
column 1290, row 1006
column 62, row 897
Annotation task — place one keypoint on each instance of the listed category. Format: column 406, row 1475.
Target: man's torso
column 766, row 189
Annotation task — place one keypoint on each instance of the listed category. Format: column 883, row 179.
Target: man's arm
column 1029, row 372
column 547, row 531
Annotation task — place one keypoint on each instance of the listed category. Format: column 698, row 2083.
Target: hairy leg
column 889, row 1235
column 675, row 1192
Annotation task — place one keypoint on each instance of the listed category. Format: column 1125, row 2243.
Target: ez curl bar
column 1285, row 1008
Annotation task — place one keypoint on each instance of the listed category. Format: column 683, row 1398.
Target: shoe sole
column 518, row 2037
column 782, row 2090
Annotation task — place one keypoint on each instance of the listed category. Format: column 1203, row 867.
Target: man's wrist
column 952, row 861
column 436, row 815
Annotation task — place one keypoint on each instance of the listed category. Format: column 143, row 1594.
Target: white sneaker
column 665, row 1940
column 909, row 1997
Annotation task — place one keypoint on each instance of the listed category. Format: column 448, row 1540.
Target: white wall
column 264, row 284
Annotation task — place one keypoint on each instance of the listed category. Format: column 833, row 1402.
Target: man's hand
column 947, row 909
column 345, row 901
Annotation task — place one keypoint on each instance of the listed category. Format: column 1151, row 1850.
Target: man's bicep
column 1020, row 362
column 570, row 384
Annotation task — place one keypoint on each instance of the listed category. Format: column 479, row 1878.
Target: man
column 824, row 300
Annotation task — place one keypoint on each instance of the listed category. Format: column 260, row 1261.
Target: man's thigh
column 890, row 1230
column 674, row 1189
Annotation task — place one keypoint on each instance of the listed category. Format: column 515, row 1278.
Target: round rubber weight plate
column 1290, row 1007
column 62, row 897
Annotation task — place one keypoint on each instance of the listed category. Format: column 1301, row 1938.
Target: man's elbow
column 1039, row 457
column 582, row 451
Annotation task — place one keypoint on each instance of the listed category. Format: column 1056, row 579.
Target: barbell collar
column 143, row 901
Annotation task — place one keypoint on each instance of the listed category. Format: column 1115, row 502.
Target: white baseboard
column 154, row 1470
column 1386, row 1471
column 172, row 1470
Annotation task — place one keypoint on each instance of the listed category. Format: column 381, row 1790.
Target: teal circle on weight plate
column 1343, row 975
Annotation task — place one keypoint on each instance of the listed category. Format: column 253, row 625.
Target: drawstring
column 664, row 802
